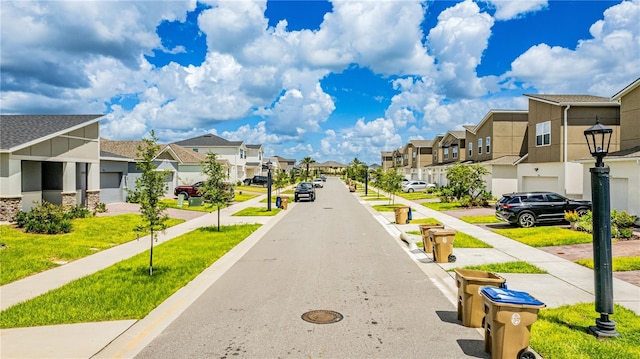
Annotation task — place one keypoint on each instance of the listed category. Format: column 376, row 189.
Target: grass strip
column 125, row 290
column 619, row 264
column 173, row 203
column 508, row 267
column 414, row 196
column 387, row 207
column 26, row 254
column 440, row 206
column 480, row 219
column 545, row 236
column 562, row 333
column 258, row 211
column 464, row 240
column 428, row 220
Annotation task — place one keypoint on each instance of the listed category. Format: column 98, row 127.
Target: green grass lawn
column 241, row 197
column 173, row 203
column 125, row 290
column 464, row 240
column 387, row 207
column 255, row 189
column 28, row 253
column 440, row 206
column 480, row 219
column 619, row 264
column 258, row 211
column 562, row 333
column 545, row 236
column 417, row 195
column 425, row 221
column 508, row 267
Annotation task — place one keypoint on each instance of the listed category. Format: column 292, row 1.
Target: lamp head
column 598, row 139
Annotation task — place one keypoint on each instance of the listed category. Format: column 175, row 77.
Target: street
column 330, row 254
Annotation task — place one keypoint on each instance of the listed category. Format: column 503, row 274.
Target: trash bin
column 278, row 202
column 402, row 214
column 443, row 245
column 195, row 201
column 508, row 319
column 470, row 305
column 426, row 238
column 285, row 202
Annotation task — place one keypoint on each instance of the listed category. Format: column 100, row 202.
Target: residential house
column 386, row 158
column 498, row 142
column 285, row 164
column 255, row 154
column 233, row 151
column 53, row 158
column 450, row 150
column 433, row 171
column 556, row 138
column 420, row 155
column 624, row 164
column 329, row 167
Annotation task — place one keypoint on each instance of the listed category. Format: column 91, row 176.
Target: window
column 487, row 142
column 195, row 150
column 543, row 134
column 241, row 153
column 470, row 149
column 454, row 151
column 413, row 154
column 446, row 153
column 479, row 146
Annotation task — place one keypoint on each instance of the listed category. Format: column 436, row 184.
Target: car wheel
column 410, row 190
column 582, row 211
column 185, row 194
column 295, row 199
column 526, row 220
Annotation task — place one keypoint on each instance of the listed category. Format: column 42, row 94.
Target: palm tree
column 307, row 161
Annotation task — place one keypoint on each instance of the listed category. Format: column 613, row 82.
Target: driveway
column 114, row 209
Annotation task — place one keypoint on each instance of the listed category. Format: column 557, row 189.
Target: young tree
column 280, row 181
column 392, row 182
column 467, row 180
column 150, row 187
column 214, row 190
column 378, row 180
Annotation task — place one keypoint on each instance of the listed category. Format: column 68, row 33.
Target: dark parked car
column 528, row 208
column 192, row 190
column 304, row 190
column 256, row 180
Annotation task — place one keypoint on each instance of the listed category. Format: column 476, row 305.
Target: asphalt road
column 330, row 254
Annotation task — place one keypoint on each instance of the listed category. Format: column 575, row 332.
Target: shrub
column 625, row 233
column 132, row 196
column 101, row 208
column 77, row 212
column 622, row 219
column 45, row 218
column 571, row 216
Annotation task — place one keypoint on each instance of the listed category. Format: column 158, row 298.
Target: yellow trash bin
column 402, row 214
column 470, row 305
column 426, row 238
column 508, row 319
column 285, row 202
column 443, row 245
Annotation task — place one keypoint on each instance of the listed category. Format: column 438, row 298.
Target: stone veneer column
column 9, row 208
column 92, row 199
column 69, row 199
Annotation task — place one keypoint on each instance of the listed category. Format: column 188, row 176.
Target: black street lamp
column 598, row 139
column 269, row 164
column 366, row 179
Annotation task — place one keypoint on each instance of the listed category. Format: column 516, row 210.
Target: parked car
column 304, row 190
column 192, row 190
column 317, row 183
column 528, row 208
column 416, row 186
column 256, row 180
column 324, row 178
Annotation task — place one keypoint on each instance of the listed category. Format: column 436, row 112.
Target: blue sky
column 333, row 80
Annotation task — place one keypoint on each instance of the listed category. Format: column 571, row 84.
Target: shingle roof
column 628, row 153
column 504, row 160
column 208, row 140
column 254, row 147
column 329, row 164
column 422, row 143
column 185, row 155
column 129, row 149
column 19, row 131
column 571, row 98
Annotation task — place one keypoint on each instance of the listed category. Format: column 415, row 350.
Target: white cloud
column 599, row 66
column 508, row 10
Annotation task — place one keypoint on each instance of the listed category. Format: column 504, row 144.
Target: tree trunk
column 151, row 255
column 218, row 218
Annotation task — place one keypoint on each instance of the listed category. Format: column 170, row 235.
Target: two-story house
column 556, row 138
column 420, row 156
column 498, row 142
column 434, row 171
column 624, row 164
column 233, row 151
column 386, row 159
column 285, row 164
column 254, row 164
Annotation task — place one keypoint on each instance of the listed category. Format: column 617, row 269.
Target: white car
column 317, row 183
column 416, row 186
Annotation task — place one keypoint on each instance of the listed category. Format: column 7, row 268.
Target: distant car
column 192, row 190
column 528, row 208
column 304, row 190
column 256, row 180
column 416, row 186
column 324, row 178
column 317, row 183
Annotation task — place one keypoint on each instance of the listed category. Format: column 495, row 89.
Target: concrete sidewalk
column 566, row 283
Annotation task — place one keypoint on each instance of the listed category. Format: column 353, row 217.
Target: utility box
column 402, row 214
column 470, row 305
column 443, row 245
column 509, row 315
column 426, row 238
column 195, row 201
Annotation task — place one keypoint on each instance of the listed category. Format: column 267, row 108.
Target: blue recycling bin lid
column 508, row 296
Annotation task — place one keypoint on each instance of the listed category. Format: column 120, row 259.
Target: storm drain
column 322, row 317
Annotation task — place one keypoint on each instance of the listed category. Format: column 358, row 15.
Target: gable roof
column 129, row 149
column 328, row 164
column 421, row 143
column 20, row 131
column 208, row 140
column 254, row 147
column 626, row 90
column 184, row 155
column 561, row 100
column 474, row 129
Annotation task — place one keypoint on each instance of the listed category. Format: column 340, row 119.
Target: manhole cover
column 322, row 317
column 327, row 207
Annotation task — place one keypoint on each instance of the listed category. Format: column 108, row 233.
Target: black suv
column 256, row 180
column 528, row 208
column 304, row 190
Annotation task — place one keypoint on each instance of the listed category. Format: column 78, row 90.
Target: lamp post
column 269, row 164
column 366, row 179
column 598, row 139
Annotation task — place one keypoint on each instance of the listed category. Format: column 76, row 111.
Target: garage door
column 619, row 194
column 550, row 184
column 110, row 190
